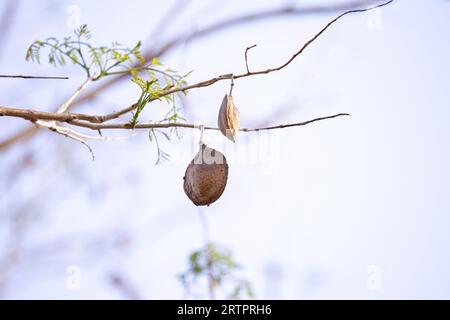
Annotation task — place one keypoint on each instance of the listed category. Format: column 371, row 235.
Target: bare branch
column 48, row 119
column 205, row 230
column 152, row 125
column 67, row 104
column 124, row 286
column 20, row 136
column 169, row 17
column 246, row 57
column 33, row 115
column 7, row 19
column 69, row 133
column 282, row 126
column 97, row 122
column 18, row 76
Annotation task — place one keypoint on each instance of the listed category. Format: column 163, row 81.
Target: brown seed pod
column 206, row 176
column 229, row 118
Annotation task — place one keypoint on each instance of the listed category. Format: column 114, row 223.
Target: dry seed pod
column 206, row 176
column 229, row 118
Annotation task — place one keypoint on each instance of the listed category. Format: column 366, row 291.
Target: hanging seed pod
column 229, row 118
column 206, row 176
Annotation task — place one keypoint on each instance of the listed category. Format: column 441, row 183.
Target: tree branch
column 18, row 76
column 95, row 121
column 52, row 125
column 65, row 106
column 151, row 125
column 246, row 56
column 33, row 115
column 67, row 133
column 7, row 19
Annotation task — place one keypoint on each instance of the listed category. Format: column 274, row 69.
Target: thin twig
column 67, row 104
column 202, row 132
column 304, row 123
column 7, row 19
column 124, row 286
column 206, row 241
column 211, row 278
column 246, row 56
column 34, row 115
column 67, row 133
column 151, row 125
column 231, row 85
column 18, row 76
column 93, row 122
column 168, row 18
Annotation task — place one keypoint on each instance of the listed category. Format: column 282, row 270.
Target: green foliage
column 152, row 90
column 153, row 80
column 162, row 156
column 218, row 267
column 96, row 61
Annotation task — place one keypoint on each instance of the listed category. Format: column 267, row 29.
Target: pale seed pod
column 229, row 118
column 206, row 176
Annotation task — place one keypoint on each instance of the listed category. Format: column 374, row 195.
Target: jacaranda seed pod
column 229, row 118
column 206, row 176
